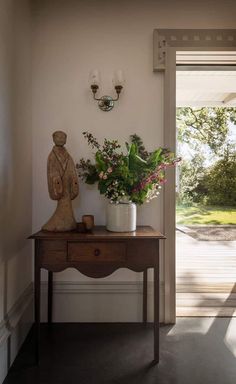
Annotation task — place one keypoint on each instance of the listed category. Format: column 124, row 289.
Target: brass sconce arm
column 95, row 88
column 118, row 89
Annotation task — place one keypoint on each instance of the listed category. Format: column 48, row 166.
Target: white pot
column 121, row 217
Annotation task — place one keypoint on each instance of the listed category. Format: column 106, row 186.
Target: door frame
column 166, row 43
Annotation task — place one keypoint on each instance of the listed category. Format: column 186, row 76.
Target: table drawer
column 143, row 252
column 53, row 251
column 96, row 251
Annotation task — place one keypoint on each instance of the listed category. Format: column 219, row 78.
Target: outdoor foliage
column 136, row 175
column 206, row 125
column 221, row 182
column 206, row 133
column 213, row 186
column 192, row 177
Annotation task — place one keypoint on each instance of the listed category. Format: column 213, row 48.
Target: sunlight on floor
column 183, row 326
column 213, row 333
column 230, row 338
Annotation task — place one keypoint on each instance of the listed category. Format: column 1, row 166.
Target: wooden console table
column 97, row 254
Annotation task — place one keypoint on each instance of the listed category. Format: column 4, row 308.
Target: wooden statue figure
column 62, row 185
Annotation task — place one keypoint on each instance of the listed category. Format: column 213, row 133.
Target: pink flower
column 109, row 170
column 101, row 174
column 104, row 177
column 163, row 181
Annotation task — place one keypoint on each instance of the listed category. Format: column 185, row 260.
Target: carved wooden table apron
column 98, row 254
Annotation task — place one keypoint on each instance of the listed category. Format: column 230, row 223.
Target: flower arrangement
column 135, row 176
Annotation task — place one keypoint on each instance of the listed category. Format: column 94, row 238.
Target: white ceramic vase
column 121, row 217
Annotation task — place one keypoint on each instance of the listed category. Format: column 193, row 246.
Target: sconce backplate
column 106, row 103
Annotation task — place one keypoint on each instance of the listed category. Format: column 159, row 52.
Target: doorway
column 206, row 190
column 166, row 43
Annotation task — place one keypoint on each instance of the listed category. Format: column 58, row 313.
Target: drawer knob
column 97, row 252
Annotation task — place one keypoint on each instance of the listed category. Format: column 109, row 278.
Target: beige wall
column 72, row 37
column 15, row 157
column 69, row 38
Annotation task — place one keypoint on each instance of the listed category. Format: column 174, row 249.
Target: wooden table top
column 99, row 232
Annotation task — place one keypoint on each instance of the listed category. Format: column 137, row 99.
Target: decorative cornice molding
column 189, row 38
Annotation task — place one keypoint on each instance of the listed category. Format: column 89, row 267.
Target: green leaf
column 155, row 157
column 135, row 161
column 102, row 187
column 100, row 162
column 91, row 179
column 133, row 149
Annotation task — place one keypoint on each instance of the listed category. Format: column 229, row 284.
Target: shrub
column 221, row 182
column 192, row 188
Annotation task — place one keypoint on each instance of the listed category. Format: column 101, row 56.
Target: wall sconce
column 106, row 103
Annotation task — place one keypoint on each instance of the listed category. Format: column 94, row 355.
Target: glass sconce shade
column 94, row 77
column 118, row 78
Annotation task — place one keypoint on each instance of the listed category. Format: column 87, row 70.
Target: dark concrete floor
column 195, row 350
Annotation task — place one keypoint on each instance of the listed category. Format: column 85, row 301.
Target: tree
column 207, row 125
column 221, row 180
column 192, row 175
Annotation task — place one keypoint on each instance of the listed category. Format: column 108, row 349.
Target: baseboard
column 98, row 301
column 14, row 328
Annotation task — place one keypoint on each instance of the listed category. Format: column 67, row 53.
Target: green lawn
column 205, row 215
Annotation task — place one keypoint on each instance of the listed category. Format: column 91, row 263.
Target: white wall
column 72, row 37
column 15, row 175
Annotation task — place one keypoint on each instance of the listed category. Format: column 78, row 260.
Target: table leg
column 156, row 311
column 50, row 296
column 145, row 296
column 37, row 273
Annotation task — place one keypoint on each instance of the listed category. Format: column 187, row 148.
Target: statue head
column 59, row 138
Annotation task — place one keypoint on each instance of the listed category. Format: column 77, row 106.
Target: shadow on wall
column 15, row 225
